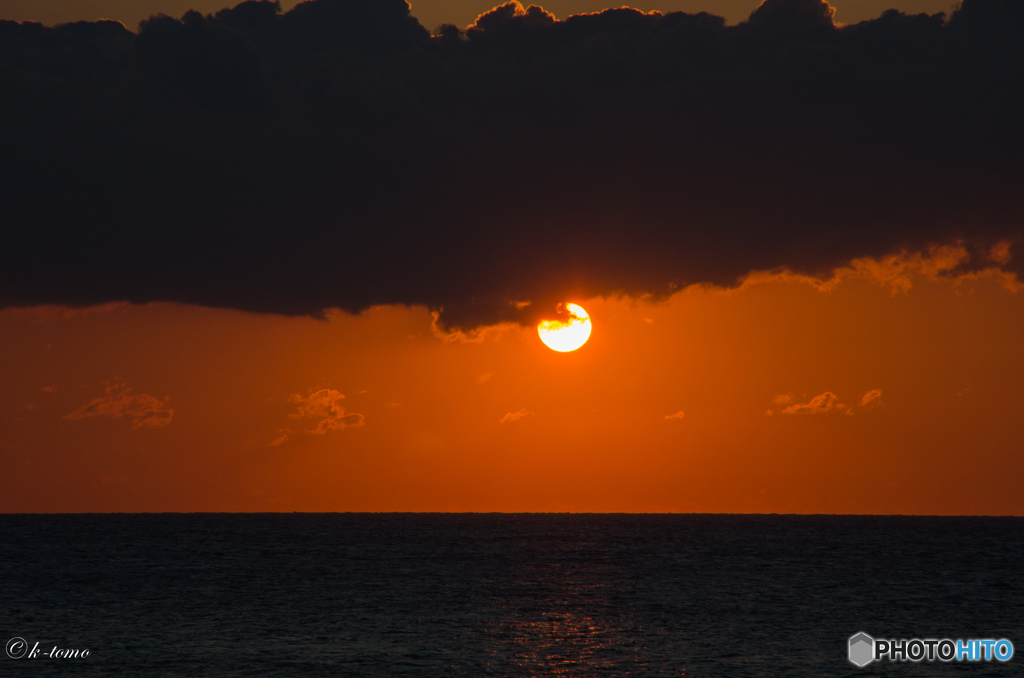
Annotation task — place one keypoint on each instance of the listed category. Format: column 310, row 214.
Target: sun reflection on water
column 572, row 634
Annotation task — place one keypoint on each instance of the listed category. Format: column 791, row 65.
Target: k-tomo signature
column 18, row 648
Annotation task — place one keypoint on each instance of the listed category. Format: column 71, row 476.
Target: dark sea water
column 502, row 595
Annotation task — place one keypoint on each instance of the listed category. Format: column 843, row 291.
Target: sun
column 566, row 335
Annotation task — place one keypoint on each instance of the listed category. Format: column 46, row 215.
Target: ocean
column 438, row 595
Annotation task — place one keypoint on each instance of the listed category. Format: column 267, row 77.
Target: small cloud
column 520, row 305
column 515, row 416
column 1000, row 253
column 677, row 415
column 872, row 398
column 325, row 406
column 484, row 378
column 393, row 405
column 649, row 321
column 826, row 402
column 280, row 441
column 49, row 389
column 769, row 413
column 119, row 401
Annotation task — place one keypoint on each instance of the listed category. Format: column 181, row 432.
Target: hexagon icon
column 862, row 649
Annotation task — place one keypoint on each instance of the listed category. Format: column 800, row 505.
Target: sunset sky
column 806, row 305
column 674, row 406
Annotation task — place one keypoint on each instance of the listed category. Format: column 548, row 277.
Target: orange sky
column 505, row 424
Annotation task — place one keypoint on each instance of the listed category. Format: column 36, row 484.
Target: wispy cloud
column 872, row 398
column 324, row 405
column 119, row 401
column 515, row 416
column 677, row 415
column 484, row 378
column 826, row 402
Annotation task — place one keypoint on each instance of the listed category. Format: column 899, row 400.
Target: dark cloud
column 337, row 155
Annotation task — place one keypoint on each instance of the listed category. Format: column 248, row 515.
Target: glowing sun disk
column 566, row 335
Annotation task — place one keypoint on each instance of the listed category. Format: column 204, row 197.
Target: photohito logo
column 863, row 649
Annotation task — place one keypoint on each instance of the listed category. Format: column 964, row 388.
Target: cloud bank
column 339, row 156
